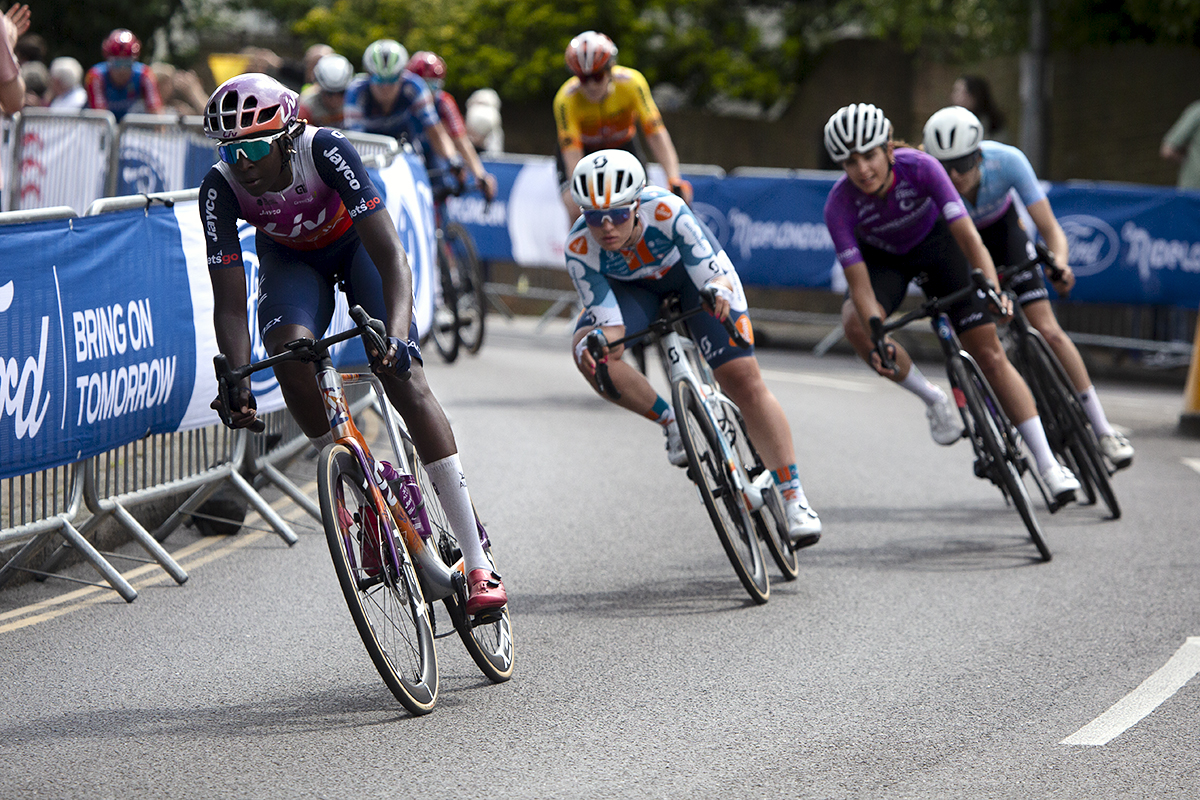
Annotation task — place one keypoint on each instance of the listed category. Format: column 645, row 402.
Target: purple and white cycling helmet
column 856, row 128
column 249, row 106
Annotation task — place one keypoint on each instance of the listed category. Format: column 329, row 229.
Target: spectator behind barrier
column 37, row 83
column 974, row 93
column 180, row 89
column 484, row 124
column 66, row 85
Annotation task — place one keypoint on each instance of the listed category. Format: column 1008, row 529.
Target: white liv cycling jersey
column 671, row 235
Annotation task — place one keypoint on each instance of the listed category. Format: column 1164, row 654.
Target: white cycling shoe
column 1061, row 482
column 675, row 452
column 804, row 526
column 1117, row 449
column 945, row 423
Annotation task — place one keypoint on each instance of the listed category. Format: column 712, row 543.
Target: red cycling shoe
column 485, row 592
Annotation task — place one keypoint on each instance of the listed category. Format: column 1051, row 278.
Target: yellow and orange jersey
column 613, row 121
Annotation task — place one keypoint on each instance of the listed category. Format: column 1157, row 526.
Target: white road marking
column 1135, row 706
column 1194, row 463
column 818, row 380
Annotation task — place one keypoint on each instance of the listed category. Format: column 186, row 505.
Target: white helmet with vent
column 952, row 133
column 607, row 179
column 856, row 128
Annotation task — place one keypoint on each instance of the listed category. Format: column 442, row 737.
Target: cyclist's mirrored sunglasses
column 597, row 217
column 595, row 77
column 120, row 63
column 380, row 80
column 252, row 149
column 963, row 164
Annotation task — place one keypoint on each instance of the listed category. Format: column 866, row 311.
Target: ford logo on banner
column 1093, row 243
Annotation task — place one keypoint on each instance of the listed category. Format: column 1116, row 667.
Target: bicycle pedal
column 488, row 617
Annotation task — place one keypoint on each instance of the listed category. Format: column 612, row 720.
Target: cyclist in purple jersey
column 895, row 217
column 986, row 174
column 319, row 224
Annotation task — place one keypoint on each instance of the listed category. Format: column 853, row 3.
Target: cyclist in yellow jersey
column 601, row 108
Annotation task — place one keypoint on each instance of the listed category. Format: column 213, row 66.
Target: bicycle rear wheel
column 488, row 641
column 770, row 520
column 472, row 301
column 726, row 507
column 1075, row 441
column 445, row 315
column 989, row 427
column 386, row 602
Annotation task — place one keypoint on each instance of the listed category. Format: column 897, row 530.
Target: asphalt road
column 923, row 651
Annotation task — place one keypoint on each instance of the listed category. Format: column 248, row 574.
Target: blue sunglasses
column 596, row 217
column 252, row 149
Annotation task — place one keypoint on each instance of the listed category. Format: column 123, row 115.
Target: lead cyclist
column 985, row 173
column 633, row 245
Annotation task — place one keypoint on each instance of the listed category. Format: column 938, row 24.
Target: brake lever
column 882, row 348
column 227, row 387
column 709, row 294
column 597, row 346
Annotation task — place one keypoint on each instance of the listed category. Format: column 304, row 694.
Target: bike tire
column 469, row 291
column 1076, row 439
column 386, row 603
column 988, row 423
column 445, row 314
column 726, row 507
column 490, row 643
column 770, row 521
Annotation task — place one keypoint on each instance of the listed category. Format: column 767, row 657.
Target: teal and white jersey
column 671, row 236
column 1004, row 167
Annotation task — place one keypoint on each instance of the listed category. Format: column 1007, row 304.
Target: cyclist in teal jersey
column 634, row 244
column 985, row 173
column 895, row 217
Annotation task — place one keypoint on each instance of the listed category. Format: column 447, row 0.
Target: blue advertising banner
column 1131, row 244
column 97, row 343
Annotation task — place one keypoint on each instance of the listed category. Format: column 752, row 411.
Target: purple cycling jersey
column 899, row 221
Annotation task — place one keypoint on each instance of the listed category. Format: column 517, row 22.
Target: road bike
column 459, row 318
column 391, row 544
column 738, row 491
column 996, row 442
column 1068, row 428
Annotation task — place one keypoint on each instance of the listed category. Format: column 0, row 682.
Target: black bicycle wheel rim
column 489, row 644
column 725, row 507
column 987, row 424
column 472, row 299
column 388, row 609
column 445, row 314
column 773, row 531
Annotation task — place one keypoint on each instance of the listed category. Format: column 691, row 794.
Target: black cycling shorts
column 1008, row 243
column 939, row 267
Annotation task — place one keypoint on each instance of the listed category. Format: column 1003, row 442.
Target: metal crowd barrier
column 148, row 140
column 58, row 158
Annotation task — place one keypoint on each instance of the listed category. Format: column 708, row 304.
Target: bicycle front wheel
column 726, row 507
column 445, row 316
column 988, row 426
column 1075, row 442
column 770, row 520
column 472, row 301
column 489, row 641
column 378, row 582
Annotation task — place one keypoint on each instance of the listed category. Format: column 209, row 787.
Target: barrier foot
column 265, row 511
column 831, row 338
column 19, row 558
column 285, row 485
column 184, row 512
column 150, row 544
column 106, row 570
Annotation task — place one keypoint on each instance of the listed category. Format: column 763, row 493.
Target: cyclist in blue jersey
column 634, row 244
column 392, row 101
column 318, row 223
column 121, row 83
column 985, row 173
column 895, row 217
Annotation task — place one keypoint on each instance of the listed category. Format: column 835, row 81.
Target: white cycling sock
column 319, row 442
column 1095, row 412
column 919, row 385
column 450, row 484
column 1034, row 434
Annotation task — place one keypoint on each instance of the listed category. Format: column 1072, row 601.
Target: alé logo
column 21, row 395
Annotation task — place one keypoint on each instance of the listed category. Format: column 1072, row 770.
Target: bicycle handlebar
column 372, row 331
column 931, row 307
column 1044, row 256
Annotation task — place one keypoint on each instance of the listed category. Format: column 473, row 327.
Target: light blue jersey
column 671, row 236
column 1004, row 167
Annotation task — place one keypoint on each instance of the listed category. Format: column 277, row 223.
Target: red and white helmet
column 590, row 52
column 249, row 106
column 429, row 66
column 121, row 43
column 856, row 128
